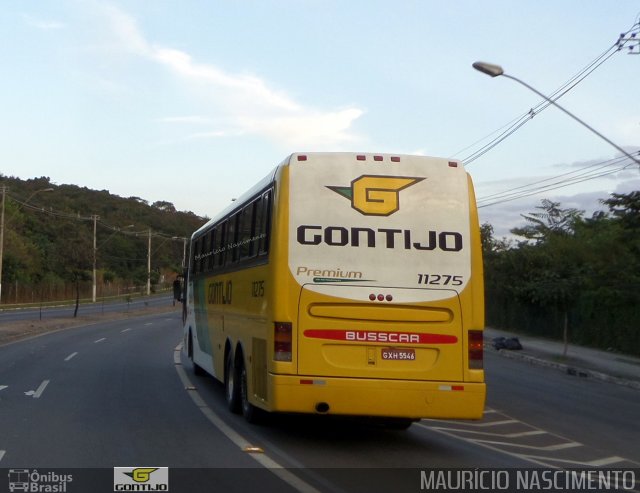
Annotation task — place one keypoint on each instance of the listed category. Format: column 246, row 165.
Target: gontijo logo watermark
column 140, row 479
column 376, row 195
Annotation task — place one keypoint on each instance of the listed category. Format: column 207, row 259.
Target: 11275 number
column 439, row 280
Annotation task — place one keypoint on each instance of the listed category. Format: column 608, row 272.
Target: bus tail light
column 282, row 341
column 476, row 350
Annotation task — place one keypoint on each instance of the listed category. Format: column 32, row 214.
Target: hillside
column 49, row 234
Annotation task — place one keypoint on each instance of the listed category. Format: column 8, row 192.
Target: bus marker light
column 302, row 157
column 448, row 388
column 389, row 297
column 380, row 297
column 372, row 297
column 361, row 157
column 453, row 164
column 395, row 159
column 377, row 158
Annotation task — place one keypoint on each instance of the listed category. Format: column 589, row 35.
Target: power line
column 509, row 196
column 630, row 37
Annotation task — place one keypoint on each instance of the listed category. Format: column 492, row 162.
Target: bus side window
column 196, row 256
column 232, row 239
column 245, row 232
column 192, row 258
column 265, row 224
column 212, row 246
column 203, row 253
column 222, row 235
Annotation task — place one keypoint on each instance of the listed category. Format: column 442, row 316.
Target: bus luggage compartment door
column 390, row 333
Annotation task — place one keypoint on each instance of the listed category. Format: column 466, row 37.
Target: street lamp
column 4, row 193
column 496, row 70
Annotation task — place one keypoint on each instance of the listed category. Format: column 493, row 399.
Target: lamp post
column 4, row 193
column 496, row 70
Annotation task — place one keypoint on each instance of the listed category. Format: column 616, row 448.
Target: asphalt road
column 111, row 394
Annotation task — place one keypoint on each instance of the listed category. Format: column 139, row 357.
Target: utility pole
column 149, row 265
column 95, row 251
column 4, row 192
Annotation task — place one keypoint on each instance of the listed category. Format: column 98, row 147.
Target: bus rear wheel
column 231, row 389
column 250, row 412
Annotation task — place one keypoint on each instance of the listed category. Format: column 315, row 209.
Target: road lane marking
column 2, row 452
column 478, row 425
column 490, row 433
column 2, row 387
column 38, row 392
column 263, row 459
column 558, row 446
column 100, row 340
column 125, row 330
column 148, row 323
column 499, row 445
column 606, row 461
column 70, row 356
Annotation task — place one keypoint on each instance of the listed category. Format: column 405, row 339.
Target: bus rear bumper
column 377, row 397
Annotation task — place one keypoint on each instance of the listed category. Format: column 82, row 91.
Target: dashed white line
column 2, row 387
column 125, row 330
column 148, row 323
column 70, row 356
column 100, row 340
column 2, row 452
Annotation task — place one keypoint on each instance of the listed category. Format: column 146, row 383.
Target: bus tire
column 231, row 389
column 250, row 412
column 197, row 369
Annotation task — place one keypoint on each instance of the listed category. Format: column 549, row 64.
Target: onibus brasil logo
column 376, row 195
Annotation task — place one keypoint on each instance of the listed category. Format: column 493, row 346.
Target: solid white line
column 2, row 452
column 40, row 389
column 70, row 356
column 263, row 459
column 100, row 340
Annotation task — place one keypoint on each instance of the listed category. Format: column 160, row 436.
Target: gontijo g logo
column 376, row 195
column 140, row 479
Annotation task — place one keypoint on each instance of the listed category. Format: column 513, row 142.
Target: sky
column 192, row 102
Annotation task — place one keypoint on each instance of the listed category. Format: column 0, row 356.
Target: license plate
column 399, row 354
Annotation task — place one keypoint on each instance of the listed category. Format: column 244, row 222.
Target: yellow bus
column 346, row 284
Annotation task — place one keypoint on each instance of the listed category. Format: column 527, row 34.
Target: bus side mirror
column 177, row 290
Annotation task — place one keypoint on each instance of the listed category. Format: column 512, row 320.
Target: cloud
column 43, row 24
column 244, row 104
column 194, row 119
